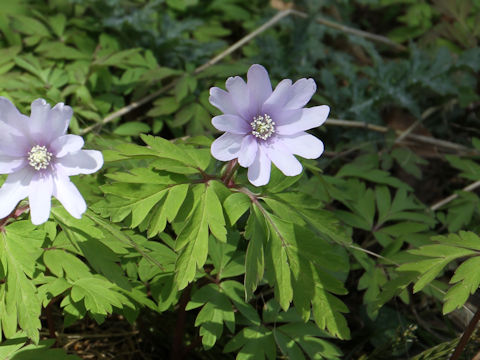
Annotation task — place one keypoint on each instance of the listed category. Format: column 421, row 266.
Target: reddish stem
column 19, row 210
column 231, row 168
column 178, row 335
column 50, row 321
column 466, row 336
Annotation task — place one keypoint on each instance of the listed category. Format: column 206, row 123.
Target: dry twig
column 383, row 129
column 353, row 31
column 125, row 110
column 452, row 197
column 275, row 19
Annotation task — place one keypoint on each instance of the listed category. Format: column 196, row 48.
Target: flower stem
column 19, row 210
column 466, row 336
column 177, row 351
column 231, row 168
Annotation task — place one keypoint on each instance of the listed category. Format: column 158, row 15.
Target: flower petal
column 303, row 144
column 59, row 119
column 248, row 151
column 47, row 124
column 14, row 189
column 226, row 147
column 302, row 92
column 66, row 144
column 283, row 159
column 14, row 127
column 222, row 100
column 10, row 164
column 39, row 197
column 259, row 87
column 276, row 101
column 38, row 125
column 80, row 162
column 69, row 196
column 310, row 118
column 259, row 171
column 240, row 96
column 231, row 123
column 283, row 117
column 10, row 114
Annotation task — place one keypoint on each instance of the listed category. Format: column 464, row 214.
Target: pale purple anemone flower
column 39, row 158
column 264, row 126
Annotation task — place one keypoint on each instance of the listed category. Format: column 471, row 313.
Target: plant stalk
column 231, row 168
column 466, row 336
column 179, row 332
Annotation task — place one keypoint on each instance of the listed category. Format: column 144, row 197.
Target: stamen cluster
column 39, row 157
column 263, row 126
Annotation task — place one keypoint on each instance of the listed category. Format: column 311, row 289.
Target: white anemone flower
column 39, row 157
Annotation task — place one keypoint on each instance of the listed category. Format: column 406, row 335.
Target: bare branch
column 452, row 197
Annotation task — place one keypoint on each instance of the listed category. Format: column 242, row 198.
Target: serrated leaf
column 97, row 295
column 255, row 341
column 59, row 262
column 467, row 278
column 465, row 239
column 235, row 291
column 279, row 231
column 19, row 296
column 104, row 261
column 215, row 218
column 327, row 312
column 192, row 240
column 258, row 235
column 17, row 349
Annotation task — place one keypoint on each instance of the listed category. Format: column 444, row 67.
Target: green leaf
column 58, row 50
column 467, row 278
column 118, row 59
column 165, row 149
column 164, row 106
column 235, row 205
column 104, row 261
column 9, row 347
column 288, row 346
column 134, row 199
column 256, row 341
column 192, row 240
column 383, row 200
column 214, row 210
column 132, row 129
column 184, row 86
column 409, row 161
column 257, row 233
column 57, row 23
column 465, row 239
column 61, row 262
column 428, row 269
column 368, row 173
column 277, row 252
column 98, row 295
column 30, row 26
column 470, row 169
column 175, row 199
column 217, row 309
column 19, row 296
column 16, row 348
column 327, row 312
column 235, row 291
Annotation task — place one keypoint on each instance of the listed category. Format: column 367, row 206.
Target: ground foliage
column 348, row 260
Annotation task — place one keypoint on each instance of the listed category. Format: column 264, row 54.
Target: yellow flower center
column 39, row 157
column 262, row 126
